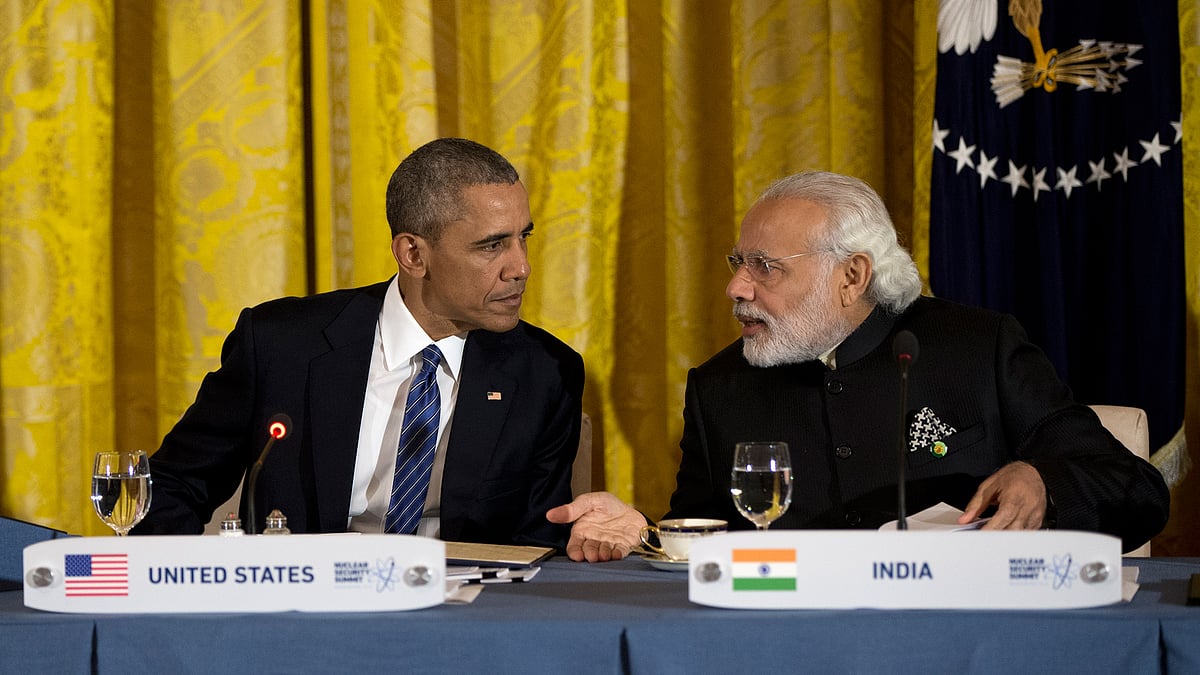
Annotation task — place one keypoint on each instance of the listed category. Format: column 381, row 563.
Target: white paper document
column 939, row 518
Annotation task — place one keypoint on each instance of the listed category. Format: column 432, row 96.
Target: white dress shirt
column 395, row 359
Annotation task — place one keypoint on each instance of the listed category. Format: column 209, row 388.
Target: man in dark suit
column 506, row 395
column 821, row 287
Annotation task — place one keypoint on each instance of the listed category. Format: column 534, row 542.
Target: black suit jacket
column 507, row 461
column 976, row 371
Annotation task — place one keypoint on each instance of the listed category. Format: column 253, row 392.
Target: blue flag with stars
column 1057, row 188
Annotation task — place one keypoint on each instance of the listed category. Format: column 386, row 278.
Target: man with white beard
column 821, row 287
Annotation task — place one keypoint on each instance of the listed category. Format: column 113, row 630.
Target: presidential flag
column 1057, row 188
column 764, row 569
column 96, row 575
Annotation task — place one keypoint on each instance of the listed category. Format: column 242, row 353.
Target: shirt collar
column 829, row 358
column 402, row 338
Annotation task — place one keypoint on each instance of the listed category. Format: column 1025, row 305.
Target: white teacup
column 677, row 534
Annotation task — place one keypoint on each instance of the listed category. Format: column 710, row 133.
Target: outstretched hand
column 1019, row 494
column 604, row 527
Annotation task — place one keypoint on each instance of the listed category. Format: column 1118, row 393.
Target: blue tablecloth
column 622, row 617
column 38, row 642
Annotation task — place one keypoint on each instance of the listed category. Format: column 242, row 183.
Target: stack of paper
column 469, row 566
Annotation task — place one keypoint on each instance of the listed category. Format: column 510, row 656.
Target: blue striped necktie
column 418, row 441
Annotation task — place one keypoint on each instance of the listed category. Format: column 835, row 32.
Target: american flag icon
column 493, row 396
column 97, row 575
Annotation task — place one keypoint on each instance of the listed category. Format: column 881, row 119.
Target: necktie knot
column 431, row 358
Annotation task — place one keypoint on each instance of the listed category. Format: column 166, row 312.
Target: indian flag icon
column 764, row 569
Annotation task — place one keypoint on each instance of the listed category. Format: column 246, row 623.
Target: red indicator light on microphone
column 278, row 430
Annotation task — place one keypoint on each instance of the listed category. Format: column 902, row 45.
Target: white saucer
column 659, row 562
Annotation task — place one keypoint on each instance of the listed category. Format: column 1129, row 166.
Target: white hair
column 857, row 222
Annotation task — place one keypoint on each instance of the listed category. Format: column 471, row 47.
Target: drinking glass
column 121, row 488
column 762, row 481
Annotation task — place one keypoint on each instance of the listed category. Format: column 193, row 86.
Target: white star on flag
column 1124, row 164
column 1098, row 174
column 986, row 168
column 1039, row 183
column 963, row 155
column 1154, row 150
column 1067, row 181
column 939, row 136
column 1015, row 177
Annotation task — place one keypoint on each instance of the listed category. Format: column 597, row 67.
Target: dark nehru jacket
column 512, row 439
column 980, row 396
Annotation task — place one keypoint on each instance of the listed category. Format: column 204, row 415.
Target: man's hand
column 1020, row 495
column 605, row 528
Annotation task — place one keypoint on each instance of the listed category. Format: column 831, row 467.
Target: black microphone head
column 905, row 348
column 279, row 425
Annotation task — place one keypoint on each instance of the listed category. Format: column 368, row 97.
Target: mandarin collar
column 866, row 338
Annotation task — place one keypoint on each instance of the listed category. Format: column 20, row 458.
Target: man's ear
column 856, row 276
column 409, row 252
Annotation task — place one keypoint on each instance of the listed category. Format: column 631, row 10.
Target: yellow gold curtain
column 151, row 190
column 1179, row 537
column 228, row 178
column 374, row 98
column 156, row 180
column 56, row 252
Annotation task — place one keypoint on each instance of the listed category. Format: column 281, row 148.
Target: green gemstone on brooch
column 939, row 449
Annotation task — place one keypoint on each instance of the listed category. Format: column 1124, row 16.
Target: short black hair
column 425, row 191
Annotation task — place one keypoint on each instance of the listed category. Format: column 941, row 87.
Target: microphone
column 904, row 350
column 277, row 428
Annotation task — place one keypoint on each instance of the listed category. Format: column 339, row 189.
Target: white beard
column 803, row 333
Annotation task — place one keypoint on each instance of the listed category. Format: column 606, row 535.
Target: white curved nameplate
column 842, row 569
column 181, row 574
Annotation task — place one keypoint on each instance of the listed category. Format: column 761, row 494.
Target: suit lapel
column 485, row 394
column 337, row 388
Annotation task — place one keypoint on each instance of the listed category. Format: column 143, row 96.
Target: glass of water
column 121, row 488
column 762, row 481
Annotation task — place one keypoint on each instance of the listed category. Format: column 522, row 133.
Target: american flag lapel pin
column 494, row 396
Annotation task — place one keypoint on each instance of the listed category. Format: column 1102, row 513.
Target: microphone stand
column 901, row 460
column 277, row 428
column 904, row 349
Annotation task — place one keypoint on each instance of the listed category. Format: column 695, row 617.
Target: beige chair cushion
column 1128, row 425
column 581, row 472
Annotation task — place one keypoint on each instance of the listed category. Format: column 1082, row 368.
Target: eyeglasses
column 759, row 267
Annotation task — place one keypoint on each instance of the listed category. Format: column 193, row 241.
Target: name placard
column 308, row 573
column 842, row 569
